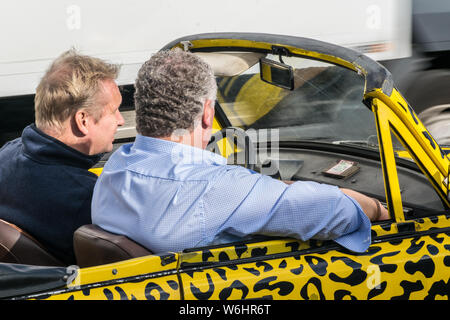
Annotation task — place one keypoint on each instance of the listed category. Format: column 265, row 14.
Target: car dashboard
column 360, row 173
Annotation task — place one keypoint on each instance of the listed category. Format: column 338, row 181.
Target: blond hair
column 71, row 83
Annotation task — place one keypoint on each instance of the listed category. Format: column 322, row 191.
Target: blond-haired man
column 46, row 185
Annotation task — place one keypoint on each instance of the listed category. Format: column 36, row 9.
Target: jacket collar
column 45, row 149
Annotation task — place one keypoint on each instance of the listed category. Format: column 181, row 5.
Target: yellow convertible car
column 294, row 109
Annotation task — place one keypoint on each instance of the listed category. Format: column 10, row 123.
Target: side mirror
column 276, row 73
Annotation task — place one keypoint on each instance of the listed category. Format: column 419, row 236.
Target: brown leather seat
column 17, row 246
column 94, row 246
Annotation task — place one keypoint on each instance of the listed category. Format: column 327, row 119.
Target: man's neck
column 66, row 136
column 192, row 138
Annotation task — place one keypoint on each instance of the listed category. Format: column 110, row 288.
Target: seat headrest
column 94, row 246
column 17, row 246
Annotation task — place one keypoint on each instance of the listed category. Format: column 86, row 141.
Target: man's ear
column 81, row 120
column 208, row 114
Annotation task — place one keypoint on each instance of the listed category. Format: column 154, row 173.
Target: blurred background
column 410, row 37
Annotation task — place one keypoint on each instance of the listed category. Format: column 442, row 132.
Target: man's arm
column 369, row 205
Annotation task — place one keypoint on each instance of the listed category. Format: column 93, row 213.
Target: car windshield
column 325, row 105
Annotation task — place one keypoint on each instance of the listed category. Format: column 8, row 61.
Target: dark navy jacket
column 46, row 189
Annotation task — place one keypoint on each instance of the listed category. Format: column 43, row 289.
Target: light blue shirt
column 169, row 196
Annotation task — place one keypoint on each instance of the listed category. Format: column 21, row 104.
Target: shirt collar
column 178, row 151
column 46, row 149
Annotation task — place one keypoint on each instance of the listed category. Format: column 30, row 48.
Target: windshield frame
column 379, row 95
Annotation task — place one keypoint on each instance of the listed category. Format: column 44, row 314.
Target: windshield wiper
column 365, row 143
column 317, row 138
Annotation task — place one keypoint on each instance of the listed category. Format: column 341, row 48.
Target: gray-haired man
column 167, row 193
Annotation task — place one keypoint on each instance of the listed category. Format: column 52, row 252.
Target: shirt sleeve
column 241, row 203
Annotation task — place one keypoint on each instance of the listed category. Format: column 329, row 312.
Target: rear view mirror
column 276, row 73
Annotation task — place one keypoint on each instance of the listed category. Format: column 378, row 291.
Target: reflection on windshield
column 325, row 105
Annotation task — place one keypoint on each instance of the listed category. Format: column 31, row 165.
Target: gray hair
column 171, row 89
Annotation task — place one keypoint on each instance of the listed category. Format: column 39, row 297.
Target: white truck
column 33, row 33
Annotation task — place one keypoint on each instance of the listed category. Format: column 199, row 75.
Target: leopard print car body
column 400, row 264
column 379, row 273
